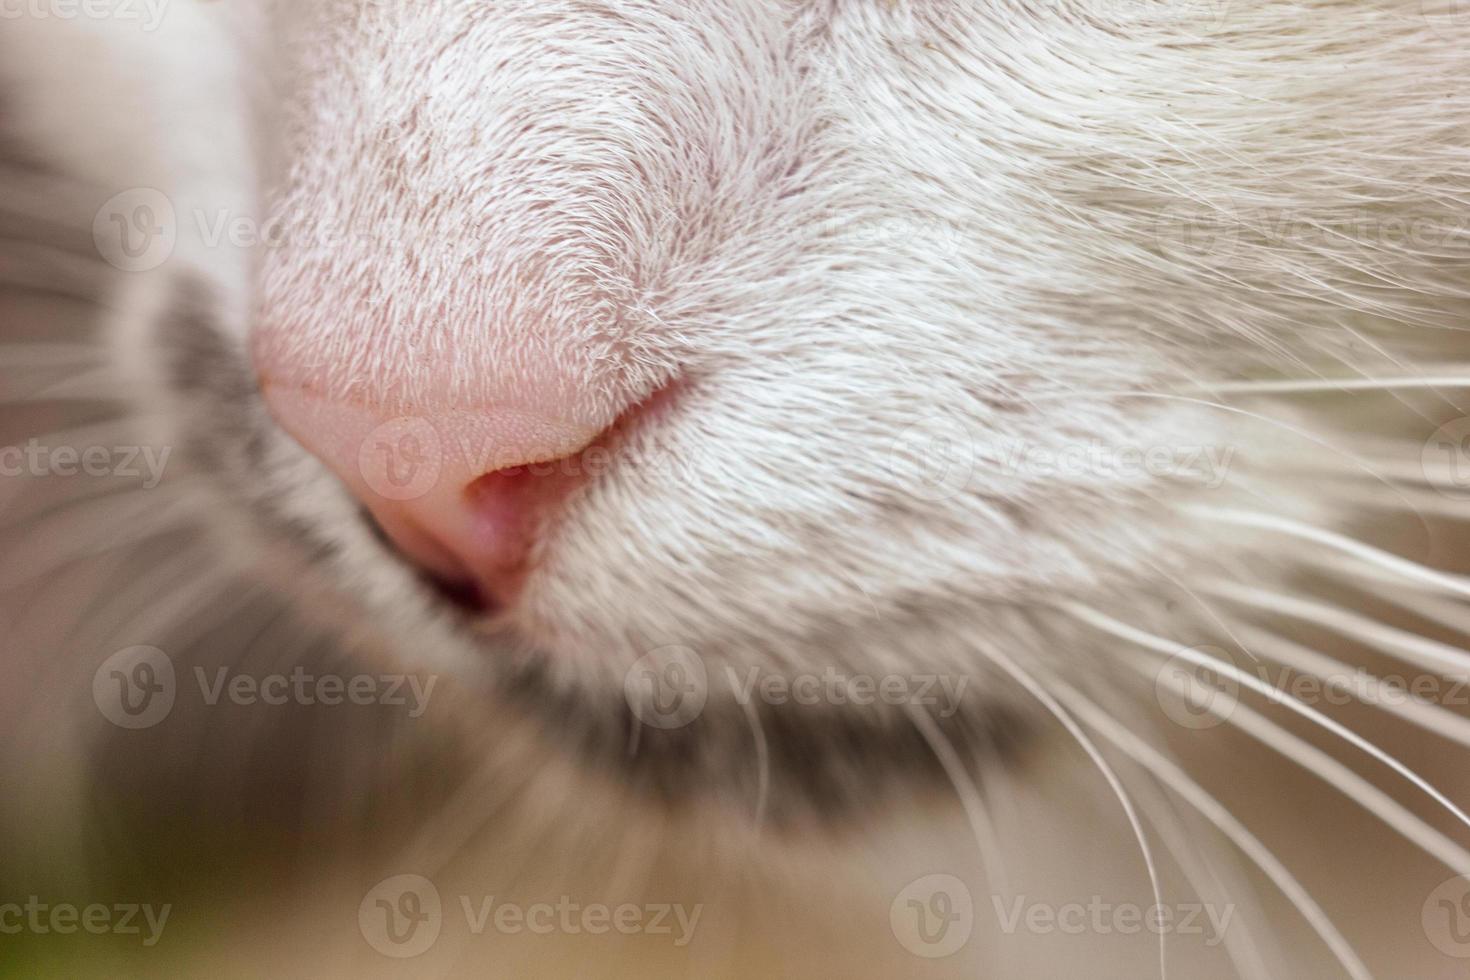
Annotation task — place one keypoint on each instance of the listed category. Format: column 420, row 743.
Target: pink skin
column 455, row 491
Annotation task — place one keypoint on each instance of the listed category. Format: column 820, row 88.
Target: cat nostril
column 463, row 495
column 458, row 589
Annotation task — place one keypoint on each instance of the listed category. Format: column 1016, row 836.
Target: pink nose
column 461, row 493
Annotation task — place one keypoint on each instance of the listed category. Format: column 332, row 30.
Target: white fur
column 857, row 233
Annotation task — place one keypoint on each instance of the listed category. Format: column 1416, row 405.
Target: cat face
column 851, row 338
column 494, row 209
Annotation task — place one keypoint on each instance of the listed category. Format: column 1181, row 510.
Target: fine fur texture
column 1033, row 344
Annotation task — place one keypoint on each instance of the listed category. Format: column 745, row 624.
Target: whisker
column 1170, row 649
column 1242, row 945
column 1329, row 385
column 1443, row 611
column 1199, row 600
column 1339, row 777
column 1458, row 584
column 1430, row 717
column 57, row 274
column 92, row 491
column 1421, row 651
column 1040, row 693
column 971, row 800
column 1216, row 813
column 763, row 761
column 1407, row 369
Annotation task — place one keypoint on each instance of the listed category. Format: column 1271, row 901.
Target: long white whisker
column 1430, row 717
column 1242, row 945
column 1213, row 811
column 1199, row 600
column 971, row 800
column 1150, row 642
column 1421, row 651
column 1338, row 776
column 1441, row 610
column 1458, row 584
column 1037, row 691
column 1327, row 385
column 763, row 761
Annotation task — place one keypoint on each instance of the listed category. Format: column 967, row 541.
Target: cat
column 778, row 467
